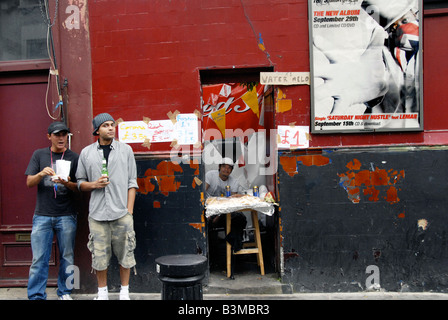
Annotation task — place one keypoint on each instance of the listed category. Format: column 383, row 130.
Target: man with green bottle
column 108, row 170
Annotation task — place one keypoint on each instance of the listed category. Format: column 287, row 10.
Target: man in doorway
column 217, row 180
column 215, row 186
column 55, row 212
column 111, row 202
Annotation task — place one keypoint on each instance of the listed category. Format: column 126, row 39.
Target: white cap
column 227, row 161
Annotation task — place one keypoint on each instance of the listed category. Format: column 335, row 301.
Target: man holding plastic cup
column 55, row 212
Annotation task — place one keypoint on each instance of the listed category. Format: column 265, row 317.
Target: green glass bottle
column 104, row 172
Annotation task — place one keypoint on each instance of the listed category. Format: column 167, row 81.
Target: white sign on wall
column 184, row 130
column 293, row 137
column 285, row 78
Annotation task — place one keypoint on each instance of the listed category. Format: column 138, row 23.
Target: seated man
column 217, row 180
column 215, row 186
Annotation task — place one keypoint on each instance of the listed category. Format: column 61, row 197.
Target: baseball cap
column 227, row 161
column 56, row 127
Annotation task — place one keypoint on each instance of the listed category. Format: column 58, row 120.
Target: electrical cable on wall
column 52, row 56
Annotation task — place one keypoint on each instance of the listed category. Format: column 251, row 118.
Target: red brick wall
column 146, row 57
column 147, row 54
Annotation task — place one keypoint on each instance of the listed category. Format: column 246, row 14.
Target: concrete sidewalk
column 21, row 294
column 246, row 286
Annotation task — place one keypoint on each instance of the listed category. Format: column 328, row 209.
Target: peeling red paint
column 353, row 194
column 165, row 177
column 354, row 165
column 314, row 160
column 168, row 184
column 144, row 185
column 392, row 195
column 379, row 177
column 196, row 167
column 374, row 193
column 199, row 226
column 369, row 180
column 362, row 177
column 289, row 255
column 289, row 164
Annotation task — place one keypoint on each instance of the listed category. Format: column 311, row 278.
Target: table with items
column 228, row 205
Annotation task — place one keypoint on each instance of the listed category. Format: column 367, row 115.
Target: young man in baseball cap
column 55, row 212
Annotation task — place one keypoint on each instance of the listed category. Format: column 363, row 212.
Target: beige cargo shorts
column 117, row 235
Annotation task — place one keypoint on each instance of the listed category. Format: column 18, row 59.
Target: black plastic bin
column 181, row 276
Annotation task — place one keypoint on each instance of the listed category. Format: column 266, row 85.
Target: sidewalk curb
column 20, row 294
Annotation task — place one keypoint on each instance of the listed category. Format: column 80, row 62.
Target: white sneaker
column 65, row 297
column 103, row 294
column 124, row 296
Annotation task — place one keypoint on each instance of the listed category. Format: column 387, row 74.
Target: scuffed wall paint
column 371, row 183
column 166, row 222
column 156, row 204
column 398, row 225
column 281, row 103
column 375, row 183
column 199, row 226
column 423, row 224
column 313, row 160
column 164, row 176
column 76, row 16
column 290, row 164
column 196, row 180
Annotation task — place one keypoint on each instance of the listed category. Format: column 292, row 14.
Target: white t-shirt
column 218, row 186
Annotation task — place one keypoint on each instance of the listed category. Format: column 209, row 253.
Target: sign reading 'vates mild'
column 285, row 78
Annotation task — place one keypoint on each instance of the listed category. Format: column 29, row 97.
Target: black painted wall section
column 332, row 234
column 165, row 224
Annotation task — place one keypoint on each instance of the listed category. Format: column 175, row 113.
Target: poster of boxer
column 366, row 65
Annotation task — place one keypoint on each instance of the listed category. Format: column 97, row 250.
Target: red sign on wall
column 232, row 110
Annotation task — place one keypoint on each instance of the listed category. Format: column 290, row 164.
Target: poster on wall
column 232, row 110
column 366, row 65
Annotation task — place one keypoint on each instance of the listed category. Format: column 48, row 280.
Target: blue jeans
column 42, row 234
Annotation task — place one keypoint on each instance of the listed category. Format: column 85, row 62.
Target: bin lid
column 181, row 265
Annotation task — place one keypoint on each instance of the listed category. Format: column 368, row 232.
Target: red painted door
column 23, row 127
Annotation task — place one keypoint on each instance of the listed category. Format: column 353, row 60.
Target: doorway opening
column 238, row 117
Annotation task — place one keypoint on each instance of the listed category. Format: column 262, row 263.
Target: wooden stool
column 255, row 247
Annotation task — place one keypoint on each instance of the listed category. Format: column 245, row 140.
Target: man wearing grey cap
column 107, row 170
column 55, row 212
